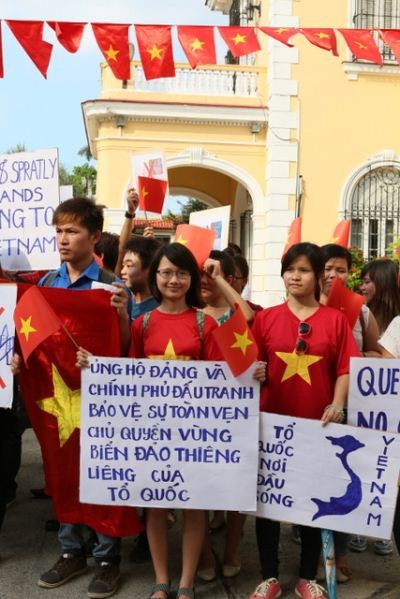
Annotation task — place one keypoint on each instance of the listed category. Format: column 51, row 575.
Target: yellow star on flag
column 361, row 46
column 64, row 405
column 181, row 240
column 242, row 341
column 239, row 39
column 197, row 44
column 169, row 354
column 112, row 54
column 281, row 30
column 144, row 193
column 297, row 364
column 155, row 52
column 322, row 35
column 27, row 328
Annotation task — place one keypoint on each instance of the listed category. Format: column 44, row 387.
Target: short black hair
column 183, row 258
column 81, row 210
column 144, row 247
column 233, row 249
column 313, row 254
column 333, row 250
column 107, row 246
column 226, row 262
column 242, row 264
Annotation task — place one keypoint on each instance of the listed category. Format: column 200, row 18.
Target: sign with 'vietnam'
column 176, row 433
column 336, row 477
column 29, row 194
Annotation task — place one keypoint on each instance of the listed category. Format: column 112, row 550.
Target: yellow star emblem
column 361, row 46
column 322, row 35
column 242, row 341
column 297, row 364
column 112, row 54
column 239, row 39
column 181, row 240
column 64, row 405
column 169, row 354
column 281, row 30
column 144, row 193
column 197, row 44
column 155, row 52
column 27, row 328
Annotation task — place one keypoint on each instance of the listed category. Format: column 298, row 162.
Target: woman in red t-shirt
column 307, row 348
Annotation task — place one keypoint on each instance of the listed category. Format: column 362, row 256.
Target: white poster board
column 336, row 477
column 8, row 299
column 374, row 393
column 150, row 164
column 179, row 434
column 29, row 194
column 217, row 219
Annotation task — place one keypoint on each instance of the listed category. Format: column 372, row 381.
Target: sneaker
column 357, row 544
column 66, row 567
column 105, row 581
column 140, row 553
column 309, row 589
column 383, row 547
column 268, row 589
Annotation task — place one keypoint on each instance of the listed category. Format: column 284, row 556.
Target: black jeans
column 268, row 533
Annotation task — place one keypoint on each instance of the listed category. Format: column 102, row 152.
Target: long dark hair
column 385, row 304
column 183, row 258
column 313, row 253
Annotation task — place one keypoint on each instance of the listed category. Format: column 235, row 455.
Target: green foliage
column 192, row 205
column 17, row 148
column 84, row 180
column 391, row 251
column 358, row 263
column 65, row 176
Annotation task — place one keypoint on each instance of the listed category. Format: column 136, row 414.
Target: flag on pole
column 236, row 343
column 346, row 301
column 198, row 240
column 294, row 235
column 151, row 194
column 341, row 233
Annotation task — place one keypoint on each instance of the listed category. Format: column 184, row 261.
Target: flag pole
column 328, row 552
column 69, row 335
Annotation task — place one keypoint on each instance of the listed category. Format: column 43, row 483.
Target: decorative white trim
column 355, row 69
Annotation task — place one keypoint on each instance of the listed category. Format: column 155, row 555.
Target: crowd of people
column 168, row 308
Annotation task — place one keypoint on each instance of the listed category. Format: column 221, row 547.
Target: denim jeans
column 72, row 541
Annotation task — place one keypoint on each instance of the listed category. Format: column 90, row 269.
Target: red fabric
column 151, row 194
column 113, row 41
column 346, row 301
column 361, row 43
column 180, row 329
column 68, row 34
column 341, row 233
column 35, row 320
column 276, row 330
column 1, row 54
column 322, row 38
column 31, row 277
column 94, row 324
column 240, row 40
column 155, row 48
column 198, row 44
column 198, row 240
column 391, row 37
column 236, row 343
column 30, row 36
column 294, row 235
column 283, row 34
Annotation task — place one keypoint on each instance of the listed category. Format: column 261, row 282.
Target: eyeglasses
column 304, row 329
column 167, row 274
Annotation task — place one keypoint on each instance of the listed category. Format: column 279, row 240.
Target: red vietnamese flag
column 240, row 40
column 361, row 43
column 113, row 42
column 151, row 194
column 198, row 44
column 68, row 34
column 322, row 38
column 236, row 343
column 1, row 55
column 346, row 301
column 35, row 320
column 282, row 34
column 341, row 233
column 198, row 240
column 155, row 48
column 30, row 36
column 294, row 235
column 391, row 37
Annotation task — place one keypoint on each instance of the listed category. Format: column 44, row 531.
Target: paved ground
column 26, row 550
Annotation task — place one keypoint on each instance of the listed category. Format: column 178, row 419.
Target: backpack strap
column 50, row 277
column 106, row 277
column 145, row 321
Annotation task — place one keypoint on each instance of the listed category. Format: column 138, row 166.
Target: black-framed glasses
column 303, row 330
column 166, row 274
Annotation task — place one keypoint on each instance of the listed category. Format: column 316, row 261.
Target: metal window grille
column 374, row 210
column 384, row 14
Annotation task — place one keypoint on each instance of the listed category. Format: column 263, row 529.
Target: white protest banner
column 168, row 434
column 374, row 391
column 336, row 477
column 150, row 164
column 8, row 301
column 216, row 219
column 29, row 194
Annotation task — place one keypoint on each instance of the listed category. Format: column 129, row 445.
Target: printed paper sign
column 151, row 164
column 216, row 219
column 29, row 194
column 337, row 477
column 168, row 434
column 8, row 299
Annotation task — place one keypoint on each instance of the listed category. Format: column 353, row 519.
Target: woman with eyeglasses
column 307, row 348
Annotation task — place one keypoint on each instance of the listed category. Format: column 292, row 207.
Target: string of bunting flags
column 198, row 43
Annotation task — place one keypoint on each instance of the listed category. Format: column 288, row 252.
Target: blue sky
column 47, row 113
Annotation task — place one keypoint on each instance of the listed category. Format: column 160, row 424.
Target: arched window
column 374, row 210
column 381, row 14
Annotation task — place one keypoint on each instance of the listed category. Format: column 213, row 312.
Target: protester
column 107, row 249
column 307, row 348
column 241, row 279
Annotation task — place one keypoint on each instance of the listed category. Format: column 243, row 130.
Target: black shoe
column 105, row 581
column 66, row 567
column 140, row 553
column 39, row 494
column 51, row 525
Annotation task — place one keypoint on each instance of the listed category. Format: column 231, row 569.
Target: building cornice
column 355, row 69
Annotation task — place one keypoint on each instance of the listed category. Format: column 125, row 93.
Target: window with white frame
column 379, row 14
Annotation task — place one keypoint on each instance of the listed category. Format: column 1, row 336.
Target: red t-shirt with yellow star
column 174, row 337
column 302, row 385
